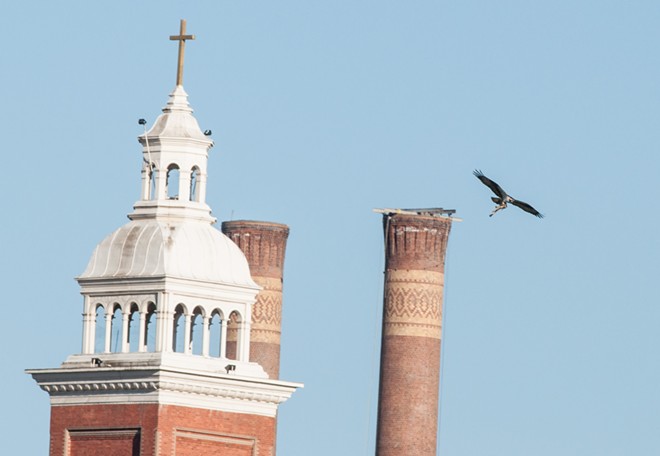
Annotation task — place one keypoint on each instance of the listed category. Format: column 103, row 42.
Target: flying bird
column 502, row 197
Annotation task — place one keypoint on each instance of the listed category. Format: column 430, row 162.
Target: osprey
column 502, row 197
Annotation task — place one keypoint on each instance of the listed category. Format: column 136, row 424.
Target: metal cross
column 181, row 38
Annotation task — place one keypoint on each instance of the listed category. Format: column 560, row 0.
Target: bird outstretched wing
column 526, row 207
column 490, row 184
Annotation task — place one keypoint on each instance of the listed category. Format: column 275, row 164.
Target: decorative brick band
column 416, row 242
column 264, row 245
column 267, row 317
column 413, row 303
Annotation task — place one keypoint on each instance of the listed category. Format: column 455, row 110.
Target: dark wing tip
column 527, row 208
column 492, row 185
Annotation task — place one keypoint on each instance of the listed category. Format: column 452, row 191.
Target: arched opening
column 215, row 334
column 197, row 332
column 116, row 333
column 179, row 335
column 194, row 183
column 233, row 335
column 150, row 328
column 172, row 183
column 99, row 329
column 134, row 329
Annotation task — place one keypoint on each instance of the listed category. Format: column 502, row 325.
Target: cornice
column 170, row 386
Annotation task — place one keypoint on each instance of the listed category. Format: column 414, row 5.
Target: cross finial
column 181, row 38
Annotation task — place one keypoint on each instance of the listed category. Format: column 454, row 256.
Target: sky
column 321, row 112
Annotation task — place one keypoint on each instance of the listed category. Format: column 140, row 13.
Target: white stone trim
column 166, row 386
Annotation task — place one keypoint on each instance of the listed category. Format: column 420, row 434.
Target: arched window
column 99, row 329
column 197, row 332
column 172, row 183
column 194, row 183
column 116, row 333
column 134, row 329
column 179, row 335
column 215, row 333
column 150, row 328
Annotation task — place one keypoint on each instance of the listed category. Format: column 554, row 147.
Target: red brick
column 159, row 430
column 415, row 250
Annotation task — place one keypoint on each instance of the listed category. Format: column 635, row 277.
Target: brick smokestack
column 415, row 247
column 264, row 245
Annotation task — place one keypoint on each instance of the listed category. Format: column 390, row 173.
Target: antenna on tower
column 146, row 141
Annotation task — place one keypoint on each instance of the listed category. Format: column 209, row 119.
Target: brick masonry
column 158, row 430
column 412, row 329
column 264, row 245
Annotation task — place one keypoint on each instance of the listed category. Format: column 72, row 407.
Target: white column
column 187, row 335
column 243, row 349
column 161, row 187
column 206, row 335
column 146, row 182
column 223, row 338
column 89, row 328
column 246, row 325
column 165, row 323
column 125, row 346
column 142, row 343
column 108, row 331
column 201, row 186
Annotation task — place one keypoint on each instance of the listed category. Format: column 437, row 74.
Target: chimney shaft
column 264, row 245
column 415, row 247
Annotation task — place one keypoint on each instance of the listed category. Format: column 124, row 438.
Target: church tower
column 158, row 373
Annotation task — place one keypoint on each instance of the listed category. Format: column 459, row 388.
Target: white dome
column 191, row 250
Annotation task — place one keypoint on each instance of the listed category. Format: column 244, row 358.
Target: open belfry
column 168, row 315
column 182, row 322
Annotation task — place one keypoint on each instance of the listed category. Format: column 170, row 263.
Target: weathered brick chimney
column 415, row 246
column 264, row 245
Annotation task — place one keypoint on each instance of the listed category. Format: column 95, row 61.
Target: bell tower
column 160, row 294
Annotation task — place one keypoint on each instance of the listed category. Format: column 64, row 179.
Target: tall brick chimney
column 264, row 245
column 415, row 246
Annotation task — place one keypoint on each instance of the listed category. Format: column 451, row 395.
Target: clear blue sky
column 322, row 111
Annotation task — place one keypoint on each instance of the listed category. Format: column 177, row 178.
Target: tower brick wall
column 264, row 245
column 412, row 328
column 158, row 430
